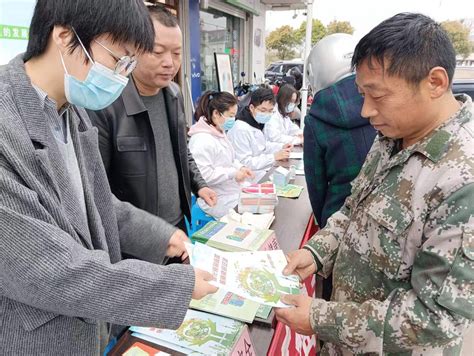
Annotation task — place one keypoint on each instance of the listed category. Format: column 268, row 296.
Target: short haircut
column 283, row 97
column 411, row 43
column 260, row 95
column 161, row 14
column 126, row 21
column 214, row 100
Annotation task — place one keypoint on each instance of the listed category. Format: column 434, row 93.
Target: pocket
column 131, row 144
column 131, row 155
column 456, row 290
column 387, row 227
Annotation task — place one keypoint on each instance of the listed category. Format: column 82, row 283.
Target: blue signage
column 195, row 49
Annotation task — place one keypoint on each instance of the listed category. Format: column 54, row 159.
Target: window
column 220, row 33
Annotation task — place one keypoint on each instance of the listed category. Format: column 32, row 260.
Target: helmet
column 330, row 60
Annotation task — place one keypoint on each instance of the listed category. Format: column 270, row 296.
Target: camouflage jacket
column 401, row 249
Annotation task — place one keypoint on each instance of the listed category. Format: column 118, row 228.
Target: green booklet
column 234, row 237
column 200, row 334
column 227, row 304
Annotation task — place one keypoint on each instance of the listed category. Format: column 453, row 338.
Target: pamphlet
column 289, row 191
column 255, row 275
column 227, row 304
column 234, row 236
column 202, row 333
column 263, row 312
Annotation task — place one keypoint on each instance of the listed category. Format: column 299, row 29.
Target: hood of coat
column 203, row 127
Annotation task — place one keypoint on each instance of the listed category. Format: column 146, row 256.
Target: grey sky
column 366, row 14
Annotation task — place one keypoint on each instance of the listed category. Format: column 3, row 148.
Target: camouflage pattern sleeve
column 324, row 245
column 430, row 317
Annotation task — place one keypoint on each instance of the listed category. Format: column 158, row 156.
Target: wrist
column 317, row 263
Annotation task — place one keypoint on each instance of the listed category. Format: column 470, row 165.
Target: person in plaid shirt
column 336, row 137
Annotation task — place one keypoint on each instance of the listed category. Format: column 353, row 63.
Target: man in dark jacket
column 336, row 137
column 142, row 135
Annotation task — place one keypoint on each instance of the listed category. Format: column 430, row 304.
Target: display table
column 293, row 225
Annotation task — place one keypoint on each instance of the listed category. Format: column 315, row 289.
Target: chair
column 198, row 218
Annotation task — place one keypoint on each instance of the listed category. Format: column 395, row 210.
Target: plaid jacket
column 336, row 142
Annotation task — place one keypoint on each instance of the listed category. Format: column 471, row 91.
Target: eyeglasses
column 125, row 64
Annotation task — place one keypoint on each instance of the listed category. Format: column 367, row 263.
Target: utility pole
column 307, row 49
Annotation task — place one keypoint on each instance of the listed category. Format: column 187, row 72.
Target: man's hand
column 300, row 262
column 282, row 154
column 244, row 173
column 297, row 317
column 288, row 146
column 209, row 196
column 176, row 245
column 201, row 284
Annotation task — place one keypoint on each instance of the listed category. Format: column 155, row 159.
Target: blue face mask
column 290, row 107
column 262, row 117
column 228, row 123
column 100, row 89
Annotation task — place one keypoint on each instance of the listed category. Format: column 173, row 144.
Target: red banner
column 286, row 342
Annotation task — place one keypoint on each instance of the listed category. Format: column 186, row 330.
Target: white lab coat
column 252, row 148
column 215, row 158
column 282, row 129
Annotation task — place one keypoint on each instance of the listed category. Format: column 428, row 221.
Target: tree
column 318, row 32
column 283, row 41
column 340, row 27
column 459, row 35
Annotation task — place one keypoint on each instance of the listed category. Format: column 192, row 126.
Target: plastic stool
column 198, row 219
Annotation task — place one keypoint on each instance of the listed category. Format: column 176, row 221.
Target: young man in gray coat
column 62, row 232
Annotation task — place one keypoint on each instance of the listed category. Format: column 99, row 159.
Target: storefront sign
column 15, row 17
column 247, row 5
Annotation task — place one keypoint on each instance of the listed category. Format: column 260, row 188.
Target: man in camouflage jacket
column 401, row 249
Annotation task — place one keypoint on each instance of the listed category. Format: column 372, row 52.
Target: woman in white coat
column 213, row 152
column 280, row 128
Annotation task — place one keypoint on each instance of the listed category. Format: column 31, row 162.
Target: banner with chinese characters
column 286, row 342
column 15, row 18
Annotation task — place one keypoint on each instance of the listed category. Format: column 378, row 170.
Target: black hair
column 260, row 95
column 283, row 97
column 411, row 43
column 126, row 21
column 161, row 14
column 214, row 100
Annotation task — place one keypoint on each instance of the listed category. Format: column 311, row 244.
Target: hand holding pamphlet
column 255, row 275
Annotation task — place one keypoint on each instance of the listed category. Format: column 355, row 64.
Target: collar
column 47, row 101
column 435, row 144
column 246, row 116
column 134, row 104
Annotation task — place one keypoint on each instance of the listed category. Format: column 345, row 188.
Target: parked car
column 277, row 70
column 464, row 86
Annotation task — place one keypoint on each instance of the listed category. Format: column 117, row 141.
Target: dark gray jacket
column 128, row 148
column 59, row 276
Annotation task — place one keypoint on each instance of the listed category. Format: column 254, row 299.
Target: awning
column 282, row 5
